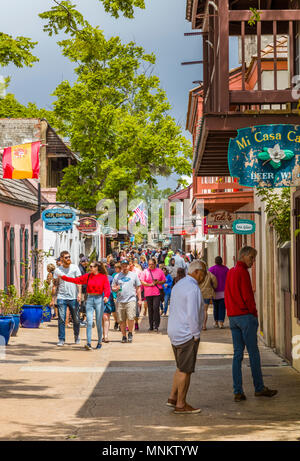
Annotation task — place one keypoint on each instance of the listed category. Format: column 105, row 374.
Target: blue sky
column 159, row 29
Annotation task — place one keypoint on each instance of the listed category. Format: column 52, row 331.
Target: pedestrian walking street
column 120, row 392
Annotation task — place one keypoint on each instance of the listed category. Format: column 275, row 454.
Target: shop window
column 26, row 243
column 22, row 260
column 12, row 257
column 5, row 256
column 35, row 256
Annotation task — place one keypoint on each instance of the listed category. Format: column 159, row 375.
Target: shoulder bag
column 161, row 290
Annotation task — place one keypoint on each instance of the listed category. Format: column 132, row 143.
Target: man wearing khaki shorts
column 128, row 287
column 186, row 316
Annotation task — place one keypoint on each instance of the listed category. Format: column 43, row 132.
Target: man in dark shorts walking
column 185, row 322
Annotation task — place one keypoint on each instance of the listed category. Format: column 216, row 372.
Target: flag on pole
column 22, row 161
column 141, row 212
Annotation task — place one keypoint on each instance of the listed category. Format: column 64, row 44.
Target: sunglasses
column 67, row 257
column 92, row 265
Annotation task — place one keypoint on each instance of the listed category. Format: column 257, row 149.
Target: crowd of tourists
column 124, row 285
column 136, row 281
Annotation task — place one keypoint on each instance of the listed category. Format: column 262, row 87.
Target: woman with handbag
column 152, row 280
column 98, row 292
column 207, row 287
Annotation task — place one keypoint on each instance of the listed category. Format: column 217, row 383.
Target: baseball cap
column 125, row 261
column 83, row 259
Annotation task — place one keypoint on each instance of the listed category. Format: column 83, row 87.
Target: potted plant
column 34, row 304
column 10, row 306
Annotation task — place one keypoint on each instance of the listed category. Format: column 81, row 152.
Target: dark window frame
column 12, row 256
column 26, row 246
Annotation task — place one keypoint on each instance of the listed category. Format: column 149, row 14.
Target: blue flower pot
column 6, row 327
column 31, row 316
column 46, row 314
column 16, row 318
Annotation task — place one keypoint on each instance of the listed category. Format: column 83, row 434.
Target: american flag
column 141, row 213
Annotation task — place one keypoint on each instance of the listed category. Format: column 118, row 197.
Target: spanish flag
column 21, row 162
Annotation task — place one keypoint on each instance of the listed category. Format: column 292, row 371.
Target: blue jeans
column 219, row 310
column 73, row 305
column 94, row 303
column 167, row 299
column 244, row 333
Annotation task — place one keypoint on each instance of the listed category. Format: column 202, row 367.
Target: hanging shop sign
column 220, row 218
column 222, row 230
column 87, row 226
column 58, row 219
column 266, row 156
column 244, row 226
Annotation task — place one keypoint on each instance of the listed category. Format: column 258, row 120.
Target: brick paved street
column 119, row 392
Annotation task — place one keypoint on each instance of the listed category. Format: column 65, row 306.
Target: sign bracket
column 37, row 215
column 247, row 212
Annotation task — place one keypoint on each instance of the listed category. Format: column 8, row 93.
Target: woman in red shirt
column 97, row 285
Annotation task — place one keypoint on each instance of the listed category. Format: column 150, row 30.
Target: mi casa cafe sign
column 58, row 219
column 220, row 218
column 244, row 226
column 266, row 156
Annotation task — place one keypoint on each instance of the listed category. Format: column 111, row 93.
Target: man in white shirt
column 186, row 318
column 68, row 295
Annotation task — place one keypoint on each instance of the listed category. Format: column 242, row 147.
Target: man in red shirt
column 242, row 313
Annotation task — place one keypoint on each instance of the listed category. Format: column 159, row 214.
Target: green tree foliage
column 16, row 51
column 125, row 6
column 278, row 209
column 115, row 115
column 62, row 16
column 10, row 107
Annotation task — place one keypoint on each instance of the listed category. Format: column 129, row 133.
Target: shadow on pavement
column 17, row 389
column 128, row 402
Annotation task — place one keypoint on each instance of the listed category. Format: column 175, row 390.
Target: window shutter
column 26, row 255
column 21, row 260
column 5, row 256
column 12, row 256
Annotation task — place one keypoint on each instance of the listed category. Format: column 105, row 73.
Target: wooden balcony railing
column 219, row 23
column 218, row 185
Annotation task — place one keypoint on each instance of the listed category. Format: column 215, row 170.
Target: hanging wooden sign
column 220, row 218
column 244, row 227
column 87, row 225
column 266, row 156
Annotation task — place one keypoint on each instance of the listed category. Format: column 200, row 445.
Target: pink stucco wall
column 16, row 217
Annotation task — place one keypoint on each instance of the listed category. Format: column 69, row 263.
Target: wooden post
column 224, row 56
column 243, row 55
column 205, row 72
column 216, row 69
column 275, row 53
column 291, row 51
column 43, row 154
column 259, row 55
column 211, row 60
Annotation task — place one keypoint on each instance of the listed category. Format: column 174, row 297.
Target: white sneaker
column 60, row 343
column 77, row 341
